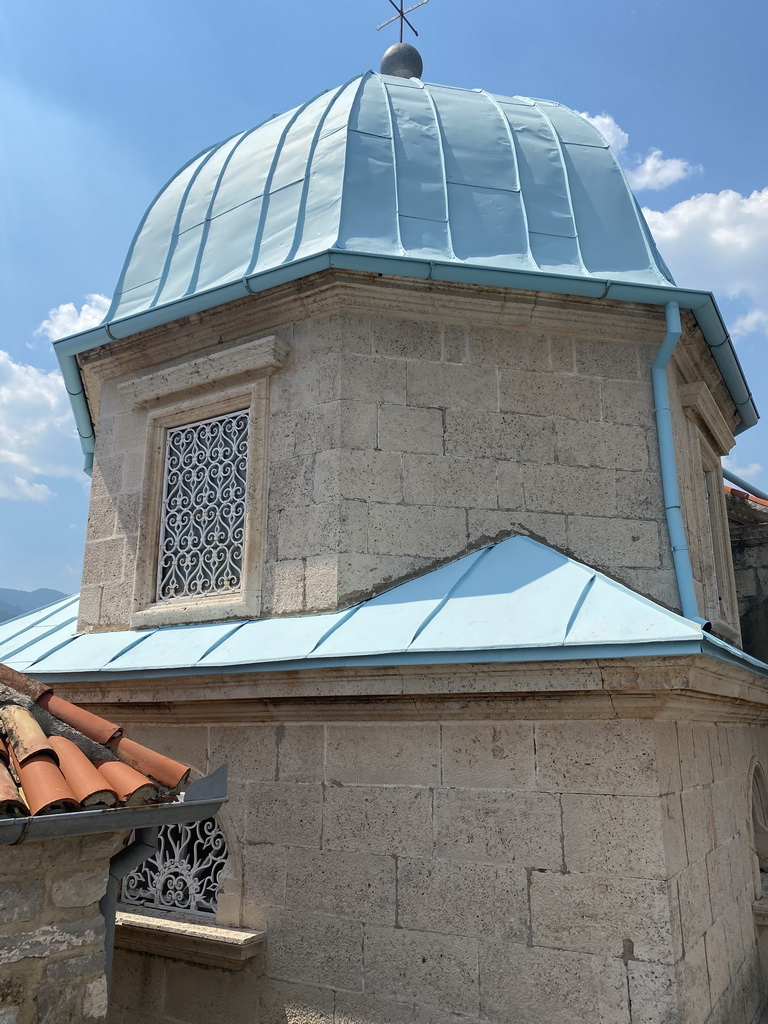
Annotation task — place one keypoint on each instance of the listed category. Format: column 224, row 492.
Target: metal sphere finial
column 403, row 61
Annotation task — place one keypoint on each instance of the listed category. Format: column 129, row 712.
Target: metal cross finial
column 401, row 16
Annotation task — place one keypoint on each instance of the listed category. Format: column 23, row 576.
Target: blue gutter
column 669, row 480
column 743, row 485
column 702, row 304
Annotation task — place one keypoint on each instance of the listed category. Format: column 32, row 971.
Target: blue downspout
column 672, row 506
column 743, row 485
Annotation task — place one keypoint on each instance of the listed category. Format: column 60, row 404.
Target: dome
column 393, row 167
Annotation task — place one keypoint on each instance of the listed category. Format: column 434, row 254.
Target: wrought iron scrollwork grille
column 184, row 873
column 202, row 527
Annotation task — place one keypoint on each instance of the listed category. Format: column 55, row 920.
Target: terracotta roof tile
column 85, row 780
column 131, row 786
column 44, row 787
column 56, row 757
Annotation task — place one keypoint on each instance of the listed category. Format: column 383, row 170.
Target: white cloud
column 719, row 241
column 616, row 137
column 655, row 171
column 747, row 473
column 66, row 319
column 36, row 432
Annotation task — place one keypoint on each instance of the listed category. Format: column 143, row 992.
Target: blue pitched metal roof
column 398, row 168
column 514, row 601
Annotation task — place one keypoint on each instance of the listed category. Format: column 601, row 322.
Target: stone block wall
column 52, row 932
column 407, row 426
column 749, row 543
column 504, row 870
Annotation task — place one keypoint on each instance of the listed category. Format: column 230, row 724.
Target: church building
column 407, row 505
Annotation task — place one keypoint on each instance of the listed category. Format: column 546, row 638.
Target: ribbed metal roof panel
column 394, row 167
column 517, row 596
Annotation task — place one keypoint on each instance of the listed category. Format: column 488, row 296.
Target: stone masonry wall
column 404, row 430
column 509, row 871
column 51, row 930
column 749, row 544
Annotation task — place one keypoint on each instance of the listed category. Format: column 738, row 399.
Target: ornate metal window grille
column 202, row 527
column 184, row 873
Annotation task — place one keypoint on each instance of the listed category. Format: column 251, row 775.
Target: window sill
column 209, row 944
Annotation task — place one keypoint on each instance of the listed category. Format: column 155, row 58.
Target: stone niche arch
column 758, row 797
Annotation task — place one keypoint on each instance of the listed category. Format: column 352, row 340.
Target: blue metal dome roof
column 397, row 168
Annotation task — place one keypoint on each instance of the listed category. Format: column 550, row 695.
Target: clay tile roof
column 56, row 757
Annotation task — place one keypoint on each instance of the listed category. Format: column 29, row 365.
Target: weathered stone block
column 463, row 898
column 300, row 753
column 409, row 429
column 48, row 939
column 628, row 401
column 250, row 750
column 448, row 481
column 300, row 1004
column 352, row 1008
column 717, row 961
column 695, row 906
column 598, row 358
column 406, row 339
column 516, row 828
column 436, row 970
column 699, row 822
column 395, row 821
column 103, row 561
column 427, row 531
column 521, row 985
column 549, row 394
column 313, row 949
column 80, row 888
column 507, row 346
column 374, row 379
column 597, row 757
column 619, row 834
column 20, row 901
column 387, row 754
column 693, row 985
column 614, row 542
column 282, row 812
column 489, row 755
column 265, row 869
column 358, row 475
column 509, row 485
column 291, row 482
column 477, row 435
column 653, row 994
column 608, row 445
column 577, row 490
column 602, row 914
column 721, row 893
column 355, row 885
column 192, row 999
column 488, row 525
column 452, row 386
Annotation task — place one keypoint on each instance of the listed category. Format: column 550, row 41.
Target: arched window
column 759, row 827
column 184, row 873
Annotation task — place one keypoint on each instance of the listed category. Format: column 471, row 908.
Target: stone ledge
column 760, row 912
column 176, row 939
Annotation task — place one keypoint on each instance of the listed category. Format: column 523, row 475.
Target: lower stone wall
column 51, row 930
column 513, row 872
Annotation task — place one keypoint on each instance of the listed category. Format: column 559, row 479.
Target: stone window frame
column 708, row 438
column 224, row 382
column 757, row 796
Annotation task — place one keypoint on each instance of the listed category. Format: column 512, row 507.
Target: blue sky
column 101, row 101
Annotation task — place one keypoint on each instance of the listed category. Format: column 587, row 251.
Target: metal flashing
column 515, row 601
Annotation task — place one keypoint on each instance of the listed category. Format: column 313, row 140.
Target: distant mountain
column 17, row 602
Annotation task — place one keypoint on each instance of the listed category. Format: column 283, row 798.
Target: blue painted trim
column 669, row 479
column 702, row 304
column 743, row 485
